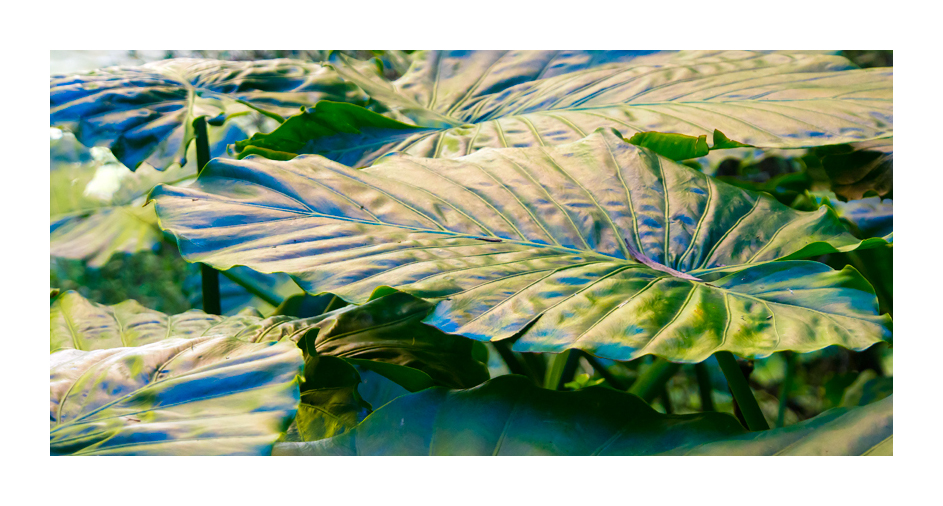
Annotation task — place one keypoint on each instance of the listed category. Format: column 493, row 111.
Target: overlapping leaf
column 146, row 113
column 211, row 395
column 597, row 245
column 96, row 206
column 386, row 330
column 510, row 416
column 454, row 103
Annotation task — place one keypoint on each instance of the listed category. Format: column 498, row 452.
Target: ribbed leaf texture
column 598, row 245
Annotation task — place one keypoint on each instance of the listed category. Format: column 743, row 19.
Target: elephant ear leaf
column 510, row 416
column 146, row 113
column 211, row 395
column 459, row 102
column 598, row 245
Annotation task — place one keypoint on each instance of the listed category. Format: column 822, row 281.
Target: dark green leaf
column 510, row 416
column 389, row 330
column 330, row 404
column 540, row 242
column 862, row 168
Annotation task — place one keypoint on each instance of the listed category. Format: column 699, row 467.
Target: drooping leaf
column 540, row 242
column 79, row 324
column 386, row 330
column 510, row 416
column 389, row 331
column 210, row 395
column 450, row 104
column 330, row 404
column 861, row 168
column 146, row 113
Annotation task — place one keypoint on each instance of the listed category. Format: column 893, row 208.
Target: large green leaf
column 454, row 103
column 211, row 395
column 386, row 330
column 146, row 113
column 597, row 245
column 96, row 207
column 510, row 416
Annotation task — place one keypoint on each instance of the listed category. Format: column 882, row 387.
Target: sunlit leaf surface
column 211, row 395
column 146, row 113
column 452, row 103
column 597, row 245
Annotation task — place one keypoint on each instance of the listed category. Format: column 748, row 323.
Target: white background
column 31, row 30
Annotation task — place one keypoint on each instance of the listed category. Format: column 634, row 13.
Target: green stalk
column 650, row 383
column 210, row 275
column 704, row 387
column 784, row 390
column 562, row 369
column 610, row 378
column 514, row 365
column 252, row 287
column 741, row 391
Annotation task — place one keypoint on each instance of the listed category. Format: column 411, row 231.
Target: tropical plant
column 481, row 253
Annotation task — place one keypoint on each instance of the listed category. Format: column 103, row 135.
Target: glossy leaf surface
column 597, row 245
column 385, row 330
column 452, row 103
column 212, row 395
column 510, row 416
column 146, row 113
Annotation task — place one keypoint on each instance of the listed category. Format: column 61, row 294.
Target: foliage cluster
column 473, row 253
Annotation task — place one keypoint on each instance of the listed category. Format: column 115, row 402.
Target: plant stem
column 784, row 390
column 210, row 275
column 741, row 391
column 210, row 280
column 562, row 369
column 666, row 399
column 514, row 365
column 252, row 287
column 608, row 376
column 704, row 387
column 649, row 384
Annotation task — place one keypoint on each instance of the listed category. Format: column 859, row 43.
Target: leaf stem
column 252, row 287
column 650, row 383
column 784, row 389
column 741, row 391
column 514, row 365
column 610, row 378
column 211, row 303
column 704, row 386
column 562, row 369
